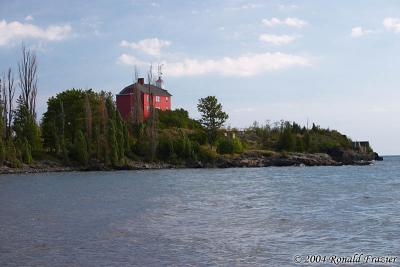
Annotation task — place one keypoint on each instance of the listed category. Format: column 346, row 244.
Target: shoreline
column 249, row 159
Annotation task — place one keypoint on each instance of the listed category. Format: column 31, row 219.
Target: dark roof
column 145, row 88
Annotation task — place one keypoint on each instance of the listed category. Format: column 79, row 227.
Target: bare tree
column 152, row 121
column 27, row 70
column 10, row 98
column 136, row 74
column 7, row 89
column 3, row 104
column 137, row 108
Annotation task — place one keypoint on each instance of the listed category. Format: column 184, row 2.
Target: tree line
column 20, row 133
column 84, row 128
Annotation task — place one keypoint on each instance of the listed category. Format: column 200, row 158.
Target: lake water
column 200, row 217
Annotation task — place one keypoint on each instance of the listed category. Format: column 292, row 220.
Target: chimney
column 141, row 81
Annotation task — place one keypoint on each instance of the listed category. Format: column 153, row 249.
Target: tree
column 25, row 128
column 287, row 141
column 7, row 89
column 137, row 108
column 27, row 70
column 212, row 116
column 10, row 98
column 80, row 152
column 88, row 122
column 152, row 125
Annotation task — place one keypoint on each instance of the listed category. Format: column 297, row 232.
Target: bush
column 11, row 156
column 165, row 149
column 178, row 118
column 25, row 150
column 229, row 146
column 205, row 154
column 198, row 136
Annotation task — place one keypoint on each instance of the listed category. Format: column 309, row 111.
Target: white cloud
column 149, row 46
column 392, row 24
column 29, row 18
column 245, row 65
column 291, row 22
column 277, row 39
column 130, row 60
column 16, row 31
column 357, row 32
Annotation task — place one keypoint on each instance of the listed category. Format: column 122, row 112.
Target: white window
column 166, row 99
column 157, row 98
column 148, row 98
column 148, row 108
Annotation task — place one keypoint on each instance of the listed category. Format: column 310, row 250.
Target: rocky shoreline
column 247, row 159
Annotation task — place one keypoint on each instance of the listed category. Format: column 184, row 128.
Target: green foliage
column 12, row 155
column 287, row 141
column 229, row 146
column 113, row 144
column 2, row 152
column 287, row 136
column 212, row 116
column 25, row 128
column 25, row 151
column 178, row 118
column 77, row 111
column 199, row 136
column 79, row 152
column 205, row 154
column 166, row 148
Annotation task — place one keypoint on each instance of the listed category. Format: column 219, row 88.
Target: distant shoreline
column 251, row 159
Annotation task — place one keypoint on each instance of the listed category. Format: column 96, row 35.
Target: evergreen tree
column 25, row 127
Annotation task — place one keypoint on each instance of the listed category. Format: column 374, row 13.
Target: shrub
column 205, row 154
column 229, row 146
column 165, row 149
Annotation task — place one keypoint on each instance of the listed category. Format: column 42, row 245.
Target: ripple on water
column 229, row 217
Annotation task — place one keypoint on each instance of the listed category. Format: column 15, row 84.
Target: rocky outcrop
column 254, row 158
column 263, row 159
column 351, row 157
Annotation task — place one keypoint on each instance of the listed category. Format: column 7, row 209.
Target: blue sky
column 336, row 63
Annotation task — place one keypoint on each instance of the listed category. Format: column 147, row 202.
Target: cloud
column 357, row 32
column 149, row 46
column 16, row 31
column 277, row 39
column 392, row 24
column 244, row 65
column 291, row 22
column 130, row 60
column 29, row 18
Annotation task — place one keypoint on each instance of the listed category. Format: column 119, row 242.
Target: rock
column 377, row 157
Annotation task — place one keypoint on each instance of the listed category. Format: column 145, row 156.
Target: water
column 202, row 217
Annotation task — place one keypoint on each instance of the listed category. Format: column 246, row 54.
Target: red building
column 126, row 98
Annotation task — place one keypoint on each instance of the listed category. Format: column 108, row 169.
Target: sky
column 335, row 63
